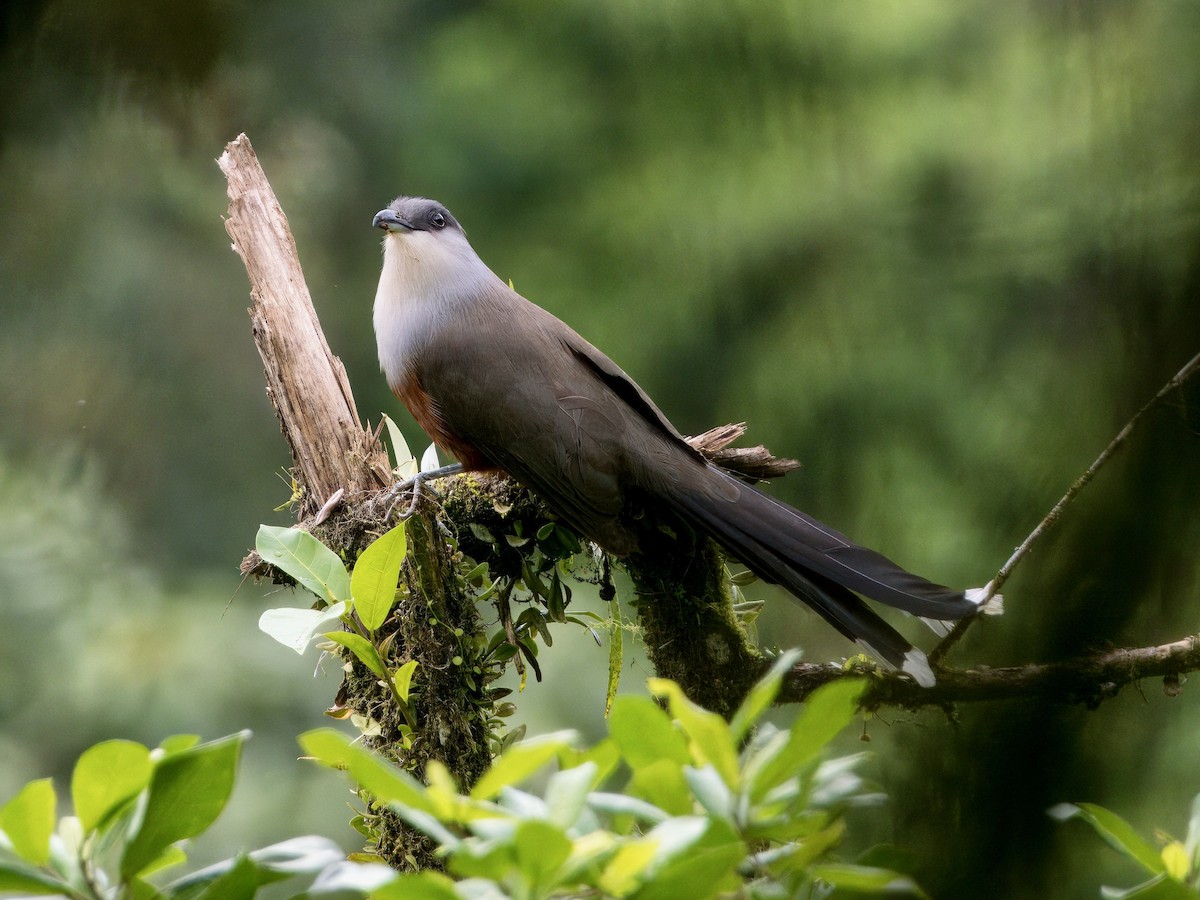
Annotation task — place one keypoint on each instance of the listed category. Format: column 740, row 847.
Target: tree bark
column 307, row 384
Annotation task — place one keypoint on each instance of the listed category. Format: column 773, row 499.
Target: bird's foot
column 415, row 484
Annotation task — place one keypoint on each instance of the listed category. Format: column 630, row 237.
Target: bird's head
column 426, row 255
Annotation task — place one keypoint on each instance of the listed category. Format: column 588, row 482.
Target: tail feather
column 815, row 547
column 837, row 605
column 821, row 567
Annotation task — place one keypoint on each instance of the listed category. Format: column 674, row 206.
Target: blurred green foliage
column 937, row 250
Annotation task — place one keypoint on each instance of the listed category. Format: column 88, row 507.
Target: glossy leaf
column 709, row 738
column 385, row 781
column 296, row 628
column 865, row 879
column 18, row 879
column 567, row 791
column 662, row 783
column 376, row 575
column 429, row 459
column 177, row 743
column 306, row 559
column 760, row 697
column 28, row 820
column 1117, row 833
column 1160, row 887
column 707, row 867
column 106, row 776
column 625, row 870
column 350, row 879
column 711, row 791
column 541, row 848
column 616, row 655
column 419, row 886
column 520, row 761
column 404, row 463
column 1175, row 859
column 187, row 792
column 360, row 647
column 826, row 712
column 645, row 733
column 403, row 678
column 239, row 882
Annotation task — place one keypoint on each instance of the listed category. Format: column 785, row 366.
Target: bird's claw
column 416, row 484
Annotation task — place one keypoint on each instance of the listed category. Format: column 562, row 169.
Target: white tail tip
column 917, row 665
column 989, row 603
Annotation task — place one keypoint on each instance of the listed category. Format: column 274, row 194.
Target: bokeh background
column 939, row 251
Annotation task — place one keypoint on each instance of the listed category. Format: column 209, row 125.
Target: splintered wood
column 306, row 383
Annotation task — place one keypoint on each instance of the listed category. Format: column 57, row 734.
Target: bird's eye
column 438, row 220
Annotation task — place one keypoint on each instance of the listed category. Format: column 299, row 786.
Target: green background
column 938, row 251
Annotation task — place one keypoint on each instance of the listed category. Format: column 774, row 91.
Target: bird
column 503, row 385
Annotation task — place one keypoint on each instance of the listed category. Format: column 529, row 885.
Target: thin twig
column 1087, row 679
column 1052, row 517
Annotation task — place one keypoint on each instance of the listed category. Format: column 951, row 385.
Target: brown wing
column 533, row 398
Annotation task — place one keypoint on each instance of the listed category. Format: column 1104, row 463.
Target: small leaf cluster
column 710, row 807
column 529, row 569
column 1174, row 869
column 362, row 601
column 134, row 807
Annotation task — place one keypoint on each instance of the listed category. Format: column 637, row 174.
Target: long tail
column 822, row 567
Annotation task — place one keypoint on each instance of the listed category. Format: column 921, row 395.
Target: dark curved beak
column 389, row 221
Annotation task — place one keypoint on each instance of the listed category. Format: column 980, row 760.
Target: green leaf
column 403, row 678
column 403, row 460
column 187, row 792
column 1175, row 859
column 177, row 743
column 419, row 886
column 520, row 761
column 106, row 776
column 710, row 791
column 1192, row 841
column 663, row 784
column 172, row 856
column 1117, row 833
column 297, row 856
column 616, row 653
column 828, row 710
column 15, row 878
column 347, row 878
column 28, row 820
column 240, row 882
column 762, row 695
column 296, row 628
column 541, row 849
column 605, row 754
column 645, row 733
column 306, row 559
column 710, row 740
column 625, row 805
column 140, row 889
column 626, row 868
column 865, row 879
column 376, row 575
column 360, row 647
column 383, row 780
column 1160, row 887
column 566, row 793
column 696, row 858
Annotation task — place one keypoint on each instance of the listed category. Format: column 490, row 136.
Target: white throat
column 426, row 281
